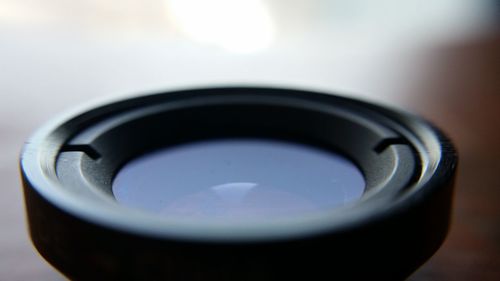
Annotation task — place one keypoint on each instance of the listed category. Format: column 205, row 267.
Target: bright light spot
column 236, row 25
column 233, row 192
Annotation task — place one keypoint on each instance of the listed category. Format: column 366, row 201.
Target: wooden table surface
column 463, row 97
column 455, row 85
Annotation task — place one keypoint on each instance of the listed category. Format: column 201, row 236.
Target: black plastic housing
column 76, row 224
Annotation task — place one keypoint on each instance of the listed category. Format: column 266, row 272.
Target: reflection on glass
column 239, row 26
column 236, row 179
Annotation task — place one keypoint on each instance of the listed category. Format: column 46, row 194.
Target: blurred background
column 440, row 59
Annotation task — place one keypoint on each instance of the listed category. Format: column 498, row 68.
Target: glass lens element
column 238, row 179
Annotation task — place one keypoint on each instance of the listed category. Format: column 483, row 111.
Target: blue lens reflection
column 238, row 179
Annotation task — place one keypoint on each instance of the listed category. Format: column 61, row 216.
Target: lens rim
column 86, row 160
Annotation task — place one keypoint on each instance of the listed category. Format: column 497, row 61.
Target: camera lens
column 235, row 179
column 238, row 184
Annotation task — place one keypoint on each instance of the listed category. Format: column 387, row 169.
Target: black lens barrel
column 68, row 167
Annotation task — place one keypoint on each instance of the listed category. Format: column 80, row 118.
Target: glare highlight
column 241, row 26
